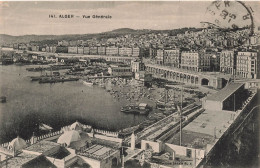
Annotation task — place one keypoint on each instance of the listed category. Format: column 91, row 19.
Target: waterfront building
column 113, row 51
column 229, row 98
column 228, row 61
column 86, row 50
column 101, row 50
column 152, row 52
column 53, row 49
column 80, row 50
column 63, row 49
column 214, row 61
column 195, row 60
column 120, row 71
column 137, row 66
column 248, row 65
column 136, row 52
column 35, row 48
column 72, row 50
column 159, row 56
column 125, row 51
column 172, row 57
column 144, row 52
column 144, row 77
column 51, row 58
column 93, row 50
column 47, row 49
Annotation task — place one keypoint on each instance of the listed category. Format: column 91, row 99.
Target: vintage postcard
column 129, row 84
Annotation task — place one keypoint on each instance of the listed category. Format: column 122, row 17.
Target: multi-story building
column 80, row 50
column 86, row 50
column 112, row 51
column 101, row 50
column 53, row 49
column 248, row 65
column 144, row 52
column 172, row 57
column 73, row 50
column 62, row 49
column 137, row 66
column 120, row 71
column 159, row 56
column 136, row 52
column 93, row 51
column 214, row 61
column 195, row 61
column 228, row 61
column 35, row 48
column 152, row 52
column 125, row 51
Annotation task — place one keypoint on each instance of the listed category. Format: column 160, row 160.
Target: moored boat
column 142, row 108
column 88, row 83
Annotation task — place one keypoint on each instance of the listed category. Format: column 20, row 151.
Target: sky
column 23, row 18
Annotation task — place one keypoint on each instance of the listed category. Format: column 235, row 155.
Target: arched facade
column 184, row 77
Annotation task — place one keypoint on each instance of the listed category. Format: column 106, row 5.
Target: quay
column 203, row 131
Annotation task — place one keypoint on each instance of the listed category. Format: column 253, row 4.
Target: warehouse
column 230, row 98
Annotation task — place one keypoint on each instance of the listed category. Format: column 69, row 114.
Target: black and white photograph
column 129, row 84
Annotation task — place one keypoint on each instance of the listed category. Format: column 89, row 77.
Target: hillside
column 8, row 39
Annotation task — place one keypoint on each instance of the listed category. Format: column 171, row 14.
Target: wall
column 182, row 150
column 107, row 162
column 57, row 162
column 107, row 133
column 108, row 138
column 156, row 146
column 212, row 105
column 93, row 163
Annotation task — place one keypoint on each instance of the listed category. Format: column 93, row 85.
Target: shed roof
column 226, row 92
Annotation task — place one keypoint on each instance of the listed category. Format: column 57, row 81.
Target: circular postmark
column 230, row 17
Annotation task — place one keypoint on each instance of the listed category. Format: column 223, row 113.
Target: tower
column 133, row 141
column 33, row 139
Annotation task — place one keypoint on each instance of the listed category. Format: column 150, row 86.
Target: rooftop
column 201, row 131
column 208, row 121
column 42, row 146
column 192, row 139
column 19, row 160
column 224, row 93
column 97, row 152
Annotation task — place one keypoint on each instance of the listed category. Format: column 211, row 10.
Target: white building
column 248, row 65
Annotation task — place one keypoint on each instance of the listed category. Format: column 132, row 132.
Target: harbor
column 176, row 88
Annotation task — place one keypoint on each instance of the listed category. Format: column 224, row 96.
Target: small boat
column 142, row 108
column 88, row 83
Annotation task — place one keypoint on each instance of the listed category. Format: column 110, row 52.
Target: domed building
column 69, row 136
column 17, row 144
column 76, row 126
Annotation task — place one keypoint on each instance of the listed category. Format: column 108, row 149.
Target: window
column 188, row 153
